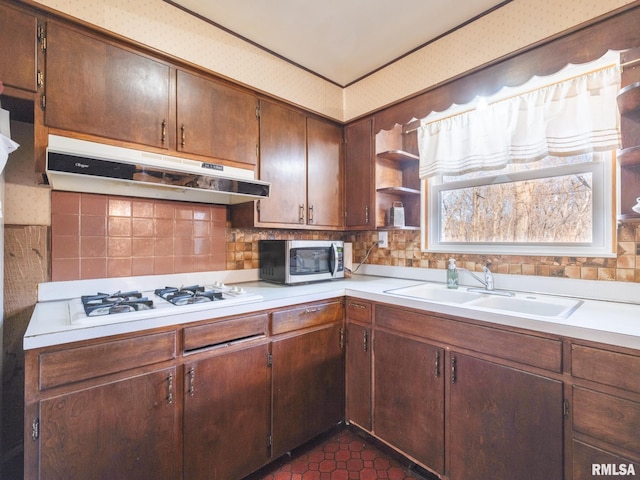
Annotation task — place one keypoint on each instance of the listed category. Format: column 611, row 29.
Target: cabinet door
column 358, row 375
column 125, row 429
column 324, row 171
column 18, row 57
column 409, row 397
column 226, row 415
column 283, row 163
column 359, row 174
column 216, row 120
column 97, row 88
column 308, row 386
column 503, row 423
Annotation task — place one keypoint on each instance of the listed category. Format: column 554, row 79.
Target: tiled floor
column 343, row 455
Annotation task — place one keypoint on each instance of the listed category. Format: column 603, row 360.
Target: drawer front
column 611, row 419
column 603, row 366
column 216, row 333
column 81, row 363
column 592, row 463
column 523, row 348
column 306, row 316
column 358, row 311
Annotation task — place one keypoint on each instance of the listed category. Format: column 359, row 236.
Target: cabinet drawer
column 306, row 316
column 603, row 366
column 591, row 462
column 520, row 347
column 608, row 418
column 211, row 334
column 358, row 310
column 81, row 363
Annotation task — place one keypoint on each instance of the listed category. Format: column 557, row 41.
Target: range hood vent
column 81, row 166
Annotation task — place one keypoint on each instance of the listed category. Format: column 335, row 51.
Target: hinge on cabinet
column 258, row 112
column 43, row 102
column 269, row 360
column 42, row 37
column 565, row 407
column 269, row 441
column 40, row 79
column 35, row 428
column 342, row 335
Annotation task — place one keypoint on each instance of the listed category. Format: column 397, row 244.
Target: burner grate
column 188, row 295
column 114, row 303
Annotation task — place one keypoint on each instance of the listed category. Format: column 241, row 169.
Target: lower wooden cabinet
column 503, row 423
column 308, row 377
column 123, row 429
column 605, row 400
column 409, row 397
column 226, row 414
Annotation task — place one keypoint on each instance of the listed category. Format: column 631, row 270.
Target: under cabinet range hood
column 82, row 166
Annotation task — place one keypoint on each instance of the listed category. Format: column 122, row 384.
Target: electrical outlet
column 383, row 240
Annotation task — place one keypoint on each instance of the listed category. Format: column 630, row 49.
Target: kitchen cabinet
column 226, row 415
column 629, row 155
column 19, row 63
column 396, row 178
column 503, row 423
column 301, row 157
column 409, row 397
column 463, row 399
column 605, row 400
column 216, row 120
column 358, row 363
column 103, row 410
column 308, row 373
column 96, row 87
column 324, row 174
column 359, row 175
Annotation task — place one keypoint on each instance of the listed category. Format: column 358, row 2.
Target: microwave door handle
column 334, row 258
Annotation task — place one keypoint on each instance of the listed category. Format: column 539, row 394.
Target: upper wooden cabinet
column 97, row 88
column 18, row 58
column 216, row 120
column 283, row 163
column 359, row 174
column 324, row 174
column 302, row 158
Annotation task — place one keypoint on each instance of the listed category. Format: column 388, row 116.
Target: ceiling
column 339, row 40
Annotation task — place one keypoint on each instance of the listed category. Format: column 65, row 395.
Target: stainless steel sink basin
column 528, row 305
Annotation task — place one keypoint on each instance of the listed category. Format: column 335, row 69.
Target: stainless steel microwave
column 300, row 261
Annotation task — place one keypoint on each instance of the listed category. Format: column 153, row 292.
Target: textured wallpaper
column 166, row 28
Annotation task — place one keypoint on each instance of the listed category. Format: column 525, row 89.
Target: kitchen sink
column 528, row 305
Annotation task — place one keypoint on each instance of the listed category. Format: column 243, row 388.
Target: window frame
column 605, row 206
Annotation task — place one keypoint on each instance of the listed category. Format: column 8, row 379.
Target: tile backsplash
column 95, row 236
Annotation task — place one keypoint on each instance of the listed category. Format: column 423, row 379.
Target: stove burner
column 188, row 295
column 119, row 302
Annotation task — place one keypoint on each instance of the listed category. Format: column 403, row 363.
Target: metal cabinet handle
column 164, row 131
column 437, row 363
column 310, row 213
column 183, row 140
column 365, row 341
column 312, row 310
column 357, row 305
column 192, row 378
column 453, row 369
column 366, row 215
column 170, row 388
column 301, row 213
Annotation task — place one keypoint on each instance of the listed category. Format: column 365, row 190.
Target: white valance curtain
column 575, row 116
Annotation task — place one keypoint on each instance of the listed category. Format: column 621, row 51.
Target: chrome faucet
column 488, row 277
column 487, row 282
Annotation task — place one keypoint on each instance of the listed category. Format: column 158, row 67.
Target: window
column 532, row 175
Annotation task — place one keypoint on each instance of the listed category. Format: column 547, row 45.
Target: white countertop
column 611, row 322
